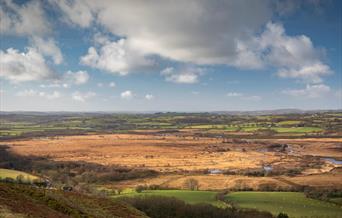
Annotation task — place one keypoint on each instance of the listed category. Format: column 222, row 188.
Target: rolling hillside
column 54, row 203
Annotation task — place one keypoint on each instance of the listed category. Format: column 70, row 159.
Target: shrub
column 282, row 215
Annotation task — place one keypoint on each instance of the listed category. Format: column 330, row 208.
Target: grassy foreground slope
column 25, row 201
column 13, row 174
column 292, row 203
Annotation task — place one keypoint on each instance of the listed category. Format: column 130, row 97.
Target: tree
column 20, row 178
column 282, row 215
column 191, row 184
column 139, row 188
column 119, row 190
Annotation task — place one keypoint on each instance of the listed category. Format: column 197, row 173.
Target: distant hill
column 237, row 112
column 274, row 112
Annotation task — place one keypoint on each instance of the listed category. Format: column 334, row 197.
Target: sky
column 172, row 55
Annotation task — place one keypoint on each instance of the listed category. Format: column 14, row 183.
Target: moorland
column 233, row 164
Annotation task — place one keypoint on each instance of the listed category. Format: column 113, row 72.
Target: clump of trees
column 191, row 184
column 324, row 194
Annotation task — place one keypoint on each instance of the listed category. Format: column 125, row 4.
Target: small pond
column 332, row 160
column 268, row 168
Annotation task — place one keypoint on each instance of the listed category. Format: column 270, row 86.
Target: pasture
column 292, row 203
column 191, row 197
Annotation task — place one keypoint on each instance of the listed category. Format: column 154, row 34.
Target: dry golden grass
column 162, row 153
column 182, row 152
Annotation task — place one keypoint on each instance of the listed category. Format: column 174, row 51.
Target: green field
column 191, row 197
column 292, row 203
column 6, row 173
column 297, row 129
column 254, row 128
column 288, row 122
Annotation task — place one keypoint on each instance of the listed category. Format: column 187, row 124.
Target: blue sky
column 60, row 55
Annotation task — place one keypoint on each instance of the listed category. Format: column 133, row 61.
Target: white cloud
column 20, row 66
column 234, row 94
column 201, row 32
column 68, row 79
column 117, row 58
column 251, row 98
column 197, row 32
column 244, row 96
column 56, row 84
column 112, row 84
column 82, row 97
column 310, row 91
column 25, row 19
column 149, row 97
column 74, row 12
column 294, row 56
column 311, row 73
column 127, row 94
column 78, row 78
column 49, row 48
column 35, row 93
column 53, row 95
column 187, row 75
column 29, row 20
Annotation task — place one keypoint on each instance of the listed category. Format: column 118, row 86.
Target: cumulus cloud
column 192, row 32
column 293, row 56
column 55, row 84
column 187, row 75
column 196, row 32
column 78, row 78
column 25, row 19
column 28, row 19
column 68, row 79
column 149, row 97
column 310, row 73
column 112, row 84
column 19, row 66
column 310, row 91
column 74, row 12
column 234, row 94
column 48, row 48
column 201, row 32
column 251, row 98
column 127, row 94
column 82, row 96
column 244, row 96
column 116, row 57
column 35, row 93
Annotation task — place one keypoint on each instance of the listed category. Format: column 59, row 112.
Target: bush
column 140, row 188
column 282, row 215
